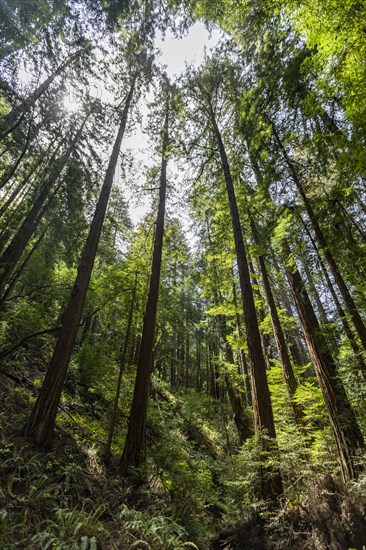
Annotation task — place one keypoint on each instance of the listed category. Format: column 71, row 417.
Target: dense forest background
column 183, row 384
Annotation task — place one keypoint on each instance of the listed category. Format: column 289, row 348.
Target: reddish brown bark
column 347, row 297
column 342, row 315
column 347, row 434
column 262, row 407
column 134, row 453
column 283, row 353
column 41, row 423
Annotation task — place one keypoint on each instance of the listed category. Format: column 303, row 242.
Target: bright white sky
column 175, row 54
column 190, row 49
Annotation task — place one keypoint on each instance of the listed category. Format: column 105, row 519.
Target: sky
column 190, row 49
column 175, row 54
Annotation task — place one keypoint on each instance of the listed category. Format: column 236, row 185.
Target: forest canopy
column 196, row 378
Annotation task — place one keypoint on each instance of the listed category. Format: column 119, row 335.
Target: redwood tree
column 347, row 434
column 134, row 453
column 41, row 423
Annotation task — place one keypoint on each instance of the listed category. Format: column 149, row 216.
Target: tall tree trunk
column 18, row 188
column 323, row 318
column 342, row 315
column 13, row 168
column 288, row 372
column 187, row 358
column 265, row 338
column 173, row 363
column 198, row 360
column 122, row 363
column 349, row 222
column 9, row 122
column 134, row 453
column 20, row 240
column 348, row 300
column 346, row 431
column 216, row 388
column 243, row 361
column 8, row 230
column 20, row 270
column 262, row 407
column 295, row 344
column 40, row 425
column 294, row 338
column 240, row 418
column 208, row 373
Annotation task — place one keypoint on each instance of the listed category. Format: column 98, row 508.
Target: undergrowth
column 201, row 490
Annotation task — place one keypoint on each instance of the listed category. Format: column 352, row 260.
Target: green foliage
column 287, row 91
column 75, row 529
column 153, row 531
column 92, row 363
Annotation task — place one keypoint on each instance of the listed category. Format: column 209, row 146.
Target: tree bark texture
column 283, row 353
column 342, row 315
column 347, row 434
column 262, row 407
column 40, row 425
column 134, row 453
column 348, row 300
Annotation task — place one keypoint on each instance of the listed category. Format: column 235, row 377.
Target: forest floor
column 68, row 499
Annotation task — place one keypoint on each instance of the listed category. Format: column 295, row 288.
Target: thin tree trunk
column 313, row 292
column 7, row 176
column 243, row 361
column 240, row 418
column 297, row 350
column 215, row 389
column 173, row 363
column 10, row 121
column 352, row 222
column 348, row 300
column 13, row 193
column 122, row 364
column 9, row 201
column 262, row 407
column 198, row 361
column 342, row 315
column 360, row 202
column 134, row 453
column 295, row 341
column 288, row 372
column 20, row 240
column 6, row 233
column 20, row 269
column 265, row 338
column 40, row 425
column 346, row 431
column 187, row 358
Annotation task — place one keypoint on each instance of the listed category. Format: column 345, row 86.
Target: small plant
column 73, row 529
column 153, row 531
